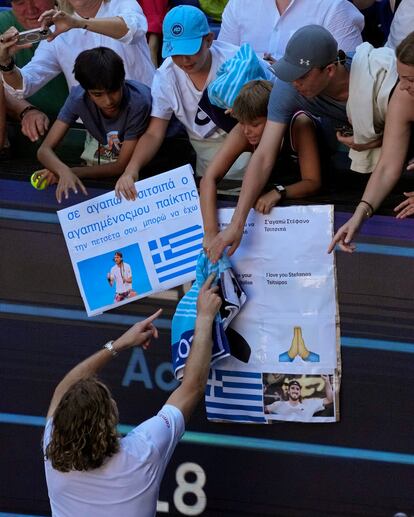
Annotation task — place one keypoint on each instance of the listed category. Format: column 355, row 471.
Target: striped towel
column 184, row 319
column 233, row 74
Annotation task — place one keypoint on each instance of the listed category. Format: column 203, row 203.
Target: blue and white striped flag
column 235, row 396
column 176, row 254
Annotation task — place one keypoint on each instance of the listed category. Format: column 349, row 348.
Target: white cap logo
column 305, row 62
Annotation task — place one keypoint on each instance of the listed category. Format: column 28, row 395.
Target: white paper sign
column 124, row 250
column 288, row 326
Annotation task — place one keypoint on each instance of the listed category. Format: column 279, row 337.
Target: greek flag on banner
column 175, row 254
column 235, row 396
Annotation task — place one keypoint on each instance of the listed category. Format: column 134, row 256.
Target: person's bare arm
column 138, row 335
column 114, row 27
column 329, row 393
column 108, row 169
column 188, row 394
column 144, row 151
column 8, row 48
column 234, row 145
column 388, row 169
column 255, row 178
column 310, row 170
column 34, row 122
column 46, row 155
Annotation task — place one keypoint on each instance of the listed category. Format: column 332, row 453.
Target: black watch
column 9, row 67
column 281, row 189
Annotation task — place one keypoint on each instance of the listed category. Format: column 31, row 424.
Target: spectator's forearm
column 13, row 78
column 48, row 158
column 208, row 201
column 198, row 363
column 113, row 27
column 14, row 105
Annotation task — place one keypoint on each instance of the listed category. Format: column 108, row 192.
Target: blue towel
column 233, row 74
column 183, row 323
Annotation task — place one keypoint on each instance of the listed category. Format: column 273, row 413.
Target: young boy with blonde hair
column 250, row 109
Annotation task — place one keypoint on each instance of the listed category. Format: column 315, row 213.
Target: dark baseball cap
column 311, row 46
column 294, row 383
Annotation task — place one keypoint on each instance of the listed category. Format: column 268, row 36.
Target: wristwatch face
column 280, row 188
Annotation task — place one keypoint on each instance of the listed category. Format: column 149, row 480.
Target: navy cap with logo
column 311, row 46
column 183, row 30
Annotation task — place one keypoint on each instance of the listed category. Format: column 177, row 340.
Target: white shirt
column 119, row 274
column 259, row 23
column 127, row 485
column 402, row 23
column 173, row 92
column 303, row 411
column 59, row 55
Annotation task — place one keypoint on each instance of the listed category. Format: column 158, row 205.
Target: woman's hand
column 62, row 21
column 8, row 45
column 406, row 208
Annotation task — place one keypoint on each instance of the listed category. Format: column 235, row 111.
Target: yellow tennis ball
column 38, row 183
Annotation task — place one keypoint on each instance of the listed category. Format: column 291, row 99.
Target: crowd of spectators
column 329, row 76
column 344, row 80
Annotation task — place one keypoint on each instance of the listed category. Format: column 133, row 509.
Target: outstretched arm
column 234, row 145
column 386, row 173
column 46, row 155
column 305, row 142
column 255, row 178
column 138, row 335
column 114, row 27
column 187, row 396
column 145, row 150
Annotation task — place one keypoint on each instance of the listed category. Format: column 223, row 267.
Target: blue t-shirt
column 131, row 122
column 285, row 101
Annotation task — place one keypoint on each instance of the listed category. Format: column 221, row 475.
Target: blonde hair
column 252, row 100
column 65, row 5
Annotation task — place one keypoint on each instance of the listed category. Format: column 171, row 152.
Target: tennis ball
column 38, row 183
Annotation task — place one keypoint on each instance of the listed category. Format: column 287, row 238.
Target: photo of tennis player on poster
column 115, row 277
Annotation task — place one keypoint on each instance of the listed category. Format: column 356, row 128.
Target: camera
column 33, row 36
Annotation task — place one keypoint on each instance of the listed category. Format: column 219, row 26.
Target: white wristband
column 110, row 347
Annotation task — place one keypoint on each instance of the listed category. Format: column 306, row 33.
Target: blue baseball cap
column 183, row 30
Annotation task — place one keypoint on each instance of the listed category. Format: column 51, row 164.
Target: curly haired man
column 90, row 470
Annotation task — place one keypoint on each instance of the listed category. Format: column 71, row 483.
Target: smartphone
column 33, row 36
column 345, row 130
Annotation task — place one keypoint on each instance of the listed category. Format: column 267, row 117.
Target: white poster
column 286, row 334
column 124, row 250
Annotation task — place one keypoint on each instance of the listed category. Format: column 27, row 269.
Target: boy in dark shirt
column 114, row 111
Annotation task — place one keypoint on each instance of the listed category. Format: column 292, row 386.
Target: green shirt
column 52, row 96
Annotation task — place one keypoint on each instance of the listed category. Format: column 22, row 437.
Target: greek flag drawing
column 234, row 396
column 176, row 254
